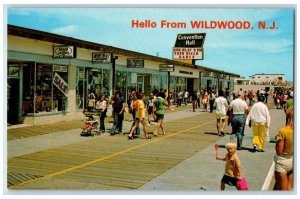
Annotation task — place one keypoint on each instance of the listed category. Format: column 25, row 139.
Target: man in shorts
column 221, row 109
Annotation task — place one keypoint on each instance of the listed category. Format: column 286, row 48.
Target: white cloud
column 65, row 30
column 265, row 45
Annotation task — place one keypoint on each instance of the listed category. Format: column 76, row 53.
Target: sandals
column 148, row 137
column 130, row 138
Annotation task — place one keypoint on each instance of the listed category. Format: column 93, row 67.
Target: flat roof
column 55, row 38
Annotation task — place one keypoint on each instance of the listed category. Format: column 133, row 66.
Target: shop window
column 121, row 82
column 80, row 85
column 51, row 88
column 45, row 88
column 28, row 88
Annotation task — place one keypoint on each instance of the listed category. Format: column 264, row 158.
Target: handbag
column 242, row 184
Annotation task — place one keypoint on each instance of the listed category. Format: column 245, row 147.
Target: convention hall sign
column 189, row 46
column 135, row 63
column 166, row 68
column 61, row 52
column 101, row 57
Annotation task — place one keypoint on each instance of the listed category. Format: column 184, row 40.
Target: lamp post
column 114, row 73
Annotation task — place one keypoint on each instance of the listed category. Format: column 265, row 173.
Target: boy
column 233, row 171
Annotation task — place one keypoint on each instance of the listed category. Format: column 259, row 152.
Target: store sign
column 58, row 68
column 63, row 52
column 60, row 84
column 189, row 46
column 166, row 68
column 101, row 57
column 135, row 63
column 187, row 53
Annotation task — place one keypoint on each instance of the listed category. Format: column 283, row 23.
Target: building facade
column 49, row 76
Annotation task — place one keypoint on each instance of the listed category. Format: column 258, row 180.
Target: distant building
column 261, row 81
column 268, row 79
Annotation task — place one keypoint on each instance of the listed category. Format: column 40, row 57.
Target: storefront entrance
column 13, row 101
column 190, row 85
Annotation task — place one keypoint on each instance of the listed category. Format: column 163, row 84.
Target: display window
column 91, row 80
column 80, row 87
column 45, row 88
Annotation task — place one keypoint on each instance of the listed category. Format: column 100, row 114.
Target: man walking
column 221, row 108
column 240, row 108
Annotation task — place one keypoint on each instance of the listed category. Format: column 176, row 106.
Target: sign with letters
column 187, row 53
column 135, row 63
column 166, row 68
column 61, row 52
column 189, row 46
column 59, row 68
column 60, row 84
column 101, row 57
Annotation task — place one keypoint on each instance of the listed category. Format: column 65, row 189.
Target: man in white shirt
column 260, row 121
column 221, row 108
column 240, row 108
column 186, row 95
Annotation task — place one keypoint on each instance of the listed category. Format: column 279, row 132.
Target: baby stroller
column 91, row 123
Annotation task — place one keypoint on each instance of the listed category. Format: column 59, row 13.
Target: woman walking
column 284, row 154
column 260, row 121
column 101, row 107
column 140, row 117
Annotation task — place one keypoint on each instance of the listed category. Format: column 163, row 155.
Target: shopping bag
column 242, row 184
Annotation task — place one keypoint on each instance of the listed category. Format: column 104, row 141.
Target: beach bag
column 242, row 184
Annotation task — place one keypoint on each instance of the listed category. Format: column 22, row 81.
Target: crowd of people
column 243, row 108
column 258, row 118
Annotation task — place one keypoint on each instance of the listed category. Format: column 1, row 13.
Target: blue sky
column 245, row 52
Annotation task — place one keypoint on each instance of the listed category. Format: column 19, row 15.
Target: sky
column 241, row 51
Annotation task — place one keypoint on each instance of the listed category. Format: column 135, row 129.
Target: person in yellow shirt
column 284, row 154
column 140, row 117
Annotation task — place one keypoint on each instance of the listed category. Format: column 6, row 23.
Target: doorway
column 190, row 85
column 13, row 100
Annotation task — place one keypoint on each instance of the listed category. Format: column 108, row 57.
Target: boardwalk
column 115, row 163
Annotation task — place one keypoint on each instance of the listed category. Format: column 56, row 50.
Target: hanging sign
column 101, row 57
column 60, row 84
column 166, row 68
column 135, row 63
column 61, row 52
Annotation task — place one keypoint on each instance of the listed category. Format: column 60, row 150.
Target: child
column 233, row 170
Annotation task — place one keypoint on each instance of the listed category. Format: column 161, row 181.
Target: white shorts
column 284, row 164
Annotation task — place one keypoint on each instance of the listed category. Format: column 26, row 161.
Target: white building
column 268, row 79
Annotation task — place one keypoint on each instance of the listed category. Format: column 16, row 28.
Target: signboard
column 166, row 68
column 62, row 52
column 194, row 40
column 101, row 57
column 13, row 70
column 58, row 68
column 187, row 53
column 60, row 84
column 135, row 63
column 189, row 46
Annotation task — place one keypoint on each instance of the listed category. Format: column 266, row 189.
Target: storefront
column 50, row 76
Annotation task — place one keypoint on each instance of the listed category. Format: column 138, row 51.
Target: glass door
column 13, row 86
